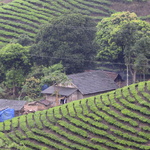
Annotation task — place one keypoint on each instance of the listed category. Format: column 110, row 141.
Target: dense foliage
column 124, row 38
column 15, row 65
column 68, row 39
column 118, row 120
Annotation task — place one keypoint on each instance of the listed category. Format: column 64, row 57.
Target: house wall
column 75, row 96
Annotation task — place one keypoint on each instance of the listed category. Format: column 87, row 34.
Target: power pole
column 127, row 74
column 57, row 95
column 56, row 101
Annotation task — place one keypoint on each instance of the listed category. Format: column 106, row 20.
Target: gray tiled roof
column 64, row 91
column 93, row 82
column 14, row 104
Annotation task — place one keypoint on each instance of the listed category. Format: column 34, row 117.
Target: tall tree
column 68, row 39
column 118, row 38
column 15, row 64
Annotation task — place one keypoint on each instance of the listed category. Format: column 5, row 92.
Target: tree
column 23, row 39
column 14, row 79
column 15, row 65
column 68, row 39
column 40, row 76
column 15, row 56
column 118, row 39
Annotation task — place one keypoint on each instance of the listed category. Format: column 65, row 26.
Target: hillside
column 26, row 16
column 118, row 120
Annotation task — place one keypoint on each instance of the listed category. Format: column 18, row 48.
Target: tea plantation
column 26, row 16
column 118, row 120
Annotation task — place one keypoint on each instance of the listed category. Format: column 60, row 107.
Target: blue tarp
column 7, row 114
column 45, row 86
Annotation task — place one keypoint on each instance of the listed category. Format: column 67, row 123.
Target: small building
column 79, row 86
column 17, row 105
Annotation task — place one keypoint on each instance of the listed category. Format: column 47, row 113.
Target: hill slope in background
column 26, row 16
column 118, row 120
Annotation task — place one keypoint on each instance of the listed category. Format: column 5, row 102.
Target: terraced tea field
column 26, row 16
column 118, row 120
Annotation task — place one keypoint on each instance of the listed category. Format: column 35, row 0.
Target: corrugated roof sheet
column 14, row 104
column 64, row 91
column 93, row 82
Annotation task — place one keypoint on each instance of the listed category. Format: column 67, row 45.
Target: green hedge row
column 129, row 137
column 110, row 145
column 109, row 119
column 58, row 139
column 37, row 120
column 134, row 115
column 13, row 29
column 73, row 138
column 11, row 11
column 7, row 125
column 19, row 25
column 5, row 141
column 22, row 123
column 45, row 141
column 102, row 133
column 134, row 107
column 90, row 9
column 69, row 6
column 33, row 145
column 73, row 128
column 96, row 5
column 17, row 18
column 119, row 117
column 92, row 122
column 20, row 135
column 30, row 121
column 18, row 8
column 13, row 137
column 41, row 10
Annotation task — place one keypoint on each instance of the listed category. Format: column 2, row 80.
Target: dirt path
column 140, row 8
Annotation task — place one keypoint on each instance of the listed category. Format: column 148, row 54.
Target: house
column 17, row 105
column 117, row 78
column 80, row 85
column 36, row 106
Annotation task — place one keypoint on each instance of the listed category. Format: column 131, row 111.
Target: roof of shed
column 42, row 101
column 93, row 82
column 64, row 91
column 14, row 104
column 112, row 75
